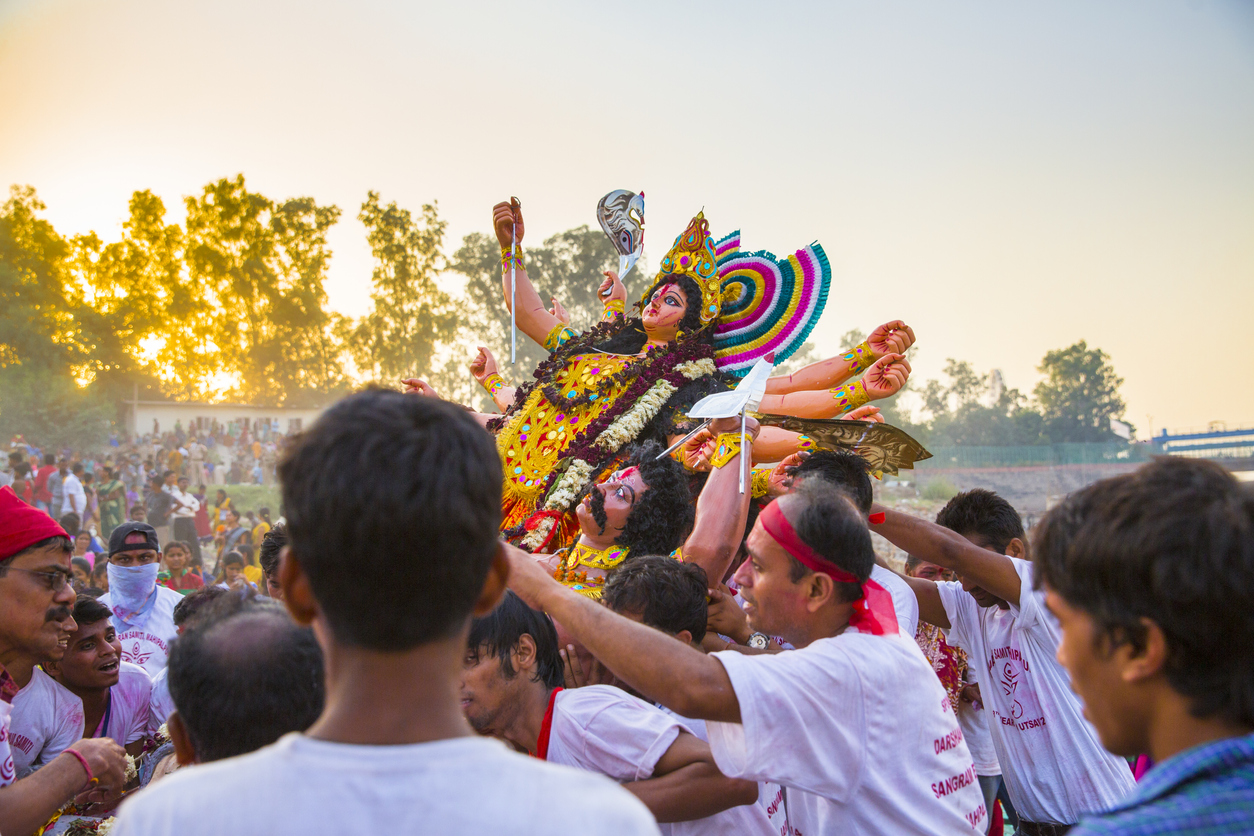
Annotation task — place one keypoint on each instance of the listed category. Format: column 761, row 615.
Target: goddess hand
column 482, row 366
column 506, row 218
column 891, row 338
column 779, row 482
column 559, row 313
column 867, row 412
column 612, row 288
column 414, row 386
column 886, row 376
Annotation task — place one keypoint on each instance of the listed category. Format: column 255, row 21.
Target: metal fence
column 1044, row 455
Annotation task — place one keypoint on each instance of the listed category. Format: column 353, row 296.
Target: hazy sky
column 1006, row 177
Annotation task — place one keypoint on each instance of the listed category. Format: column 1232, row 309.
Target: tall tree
column 263, row 266
column 411, row 315
column 1080, row 394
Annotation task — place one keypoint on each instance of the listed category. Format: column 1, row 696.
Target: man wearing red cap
column 818, row 720
column 35, row 597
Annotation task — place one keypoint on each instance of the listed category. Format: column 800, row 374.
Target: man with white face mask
column 143, row 610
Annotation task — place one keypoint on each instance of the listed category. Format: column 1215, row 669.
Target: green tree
column 1080, row 394
column 960, row 416
column 262, row 266
column 411, row 315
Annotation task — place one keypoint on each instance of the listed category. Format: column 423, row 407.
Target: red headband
column 22, row 526
column 873, row 613
column 777, row 525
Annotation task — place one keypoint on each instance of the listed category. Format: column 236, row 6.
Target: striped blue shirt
column 1204, row 791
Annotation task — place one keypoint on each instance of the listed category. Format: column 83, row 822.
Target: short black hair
column 81, row 563
column 984, row 514
column 498, row 633
column 196, row 601
column 71, row 522
column 243, row 675
column 233, row 556
column 177, row 544
column 89, row 611
column 271, row 545
column 393, row 505
column 826, row 521
column 1172, row 542
column 49, row 458
column 669, row 595
column 58, row 542
column 663, row 514
column 845, row 471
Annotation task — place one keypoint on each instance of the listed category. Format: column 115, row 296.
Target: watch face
column 758, row 641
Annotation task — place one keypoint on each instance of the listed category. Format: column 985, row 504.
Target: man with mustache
column 35, row 597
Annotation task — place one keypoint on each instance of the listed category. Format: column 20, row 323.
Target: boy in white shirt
column 1052, row 761
column 854, row 723
column 114, row 694
column 391, row 745
column 511, row 689
column 143, row 610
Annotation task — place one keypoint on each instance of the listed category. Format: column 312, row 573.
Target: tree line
column 231, row 305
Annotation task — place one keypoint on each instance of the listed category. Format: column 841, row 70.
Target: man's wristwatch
column 758, row 641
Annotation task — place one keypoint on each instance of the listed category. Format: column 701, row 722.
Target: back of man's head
column 845, row 471
column 195, row 602
column 663, row 515
column 393, row 506
column 498, row 633
column 1171, row 543
column 242, row 675
column 826, row 520
column 983, row 515
column 667, row 594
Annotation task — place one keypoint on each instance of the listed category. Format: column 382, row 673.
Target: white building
column 167, row 413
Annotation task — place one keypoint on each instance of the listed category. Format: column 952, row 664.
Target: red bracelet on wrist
column 92, row 780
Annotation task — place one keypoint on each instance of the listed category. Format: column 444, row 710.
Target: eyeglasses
column 55, row 581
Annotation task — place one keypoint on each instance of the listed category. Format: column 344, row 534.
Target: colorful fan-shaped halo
column 769, row 304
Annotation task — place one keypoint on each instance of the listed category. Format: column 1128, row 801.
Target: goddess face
column 666, row 309
column 606, row 508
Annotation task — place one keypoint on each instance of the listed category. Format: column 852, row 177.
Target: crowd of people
column 797, row 694
column 646, row 639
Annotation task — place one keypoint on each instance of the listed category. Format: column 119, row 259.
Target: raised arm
column 890, row 338
column 533, row 318
column 686, row 785
column 721, row 508
column 885, row 378
column 678, row 676
column 483, row 369
column 937, row 544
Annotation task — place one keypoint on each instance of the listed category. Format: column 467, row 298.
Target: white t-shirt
column 975, row 732
column 859, row 730
column 128, row 705
column 74, row 498
column 767, row 816
column 190, row 504
column 8, row 771
column 160, row 704
column 46, row 719
column 149, row 646
column 1055, row 768
column 905, row 602
column 462, row 785
column 604, row 729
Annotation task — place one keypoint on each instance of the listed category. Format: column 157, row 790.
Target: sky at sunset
column 1006, row 177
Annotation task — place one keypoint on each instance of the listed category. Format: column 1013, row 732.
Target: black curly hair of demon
column 663, row 515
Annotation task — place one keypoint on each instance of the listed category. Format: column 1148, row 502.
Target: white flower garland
column 622, row 431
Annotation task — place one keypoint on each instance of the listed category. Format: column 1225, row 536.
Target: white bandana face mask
column 132, row 592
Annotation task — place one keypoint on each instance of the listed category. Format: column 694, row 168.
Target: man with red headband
column 853, row 724
column 35, row 600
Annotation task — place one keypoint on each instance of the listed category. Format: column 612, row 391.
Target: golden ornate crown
column 693, row 256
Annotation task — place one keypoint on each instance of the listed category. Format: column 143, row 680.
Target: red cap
column 22, row 525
